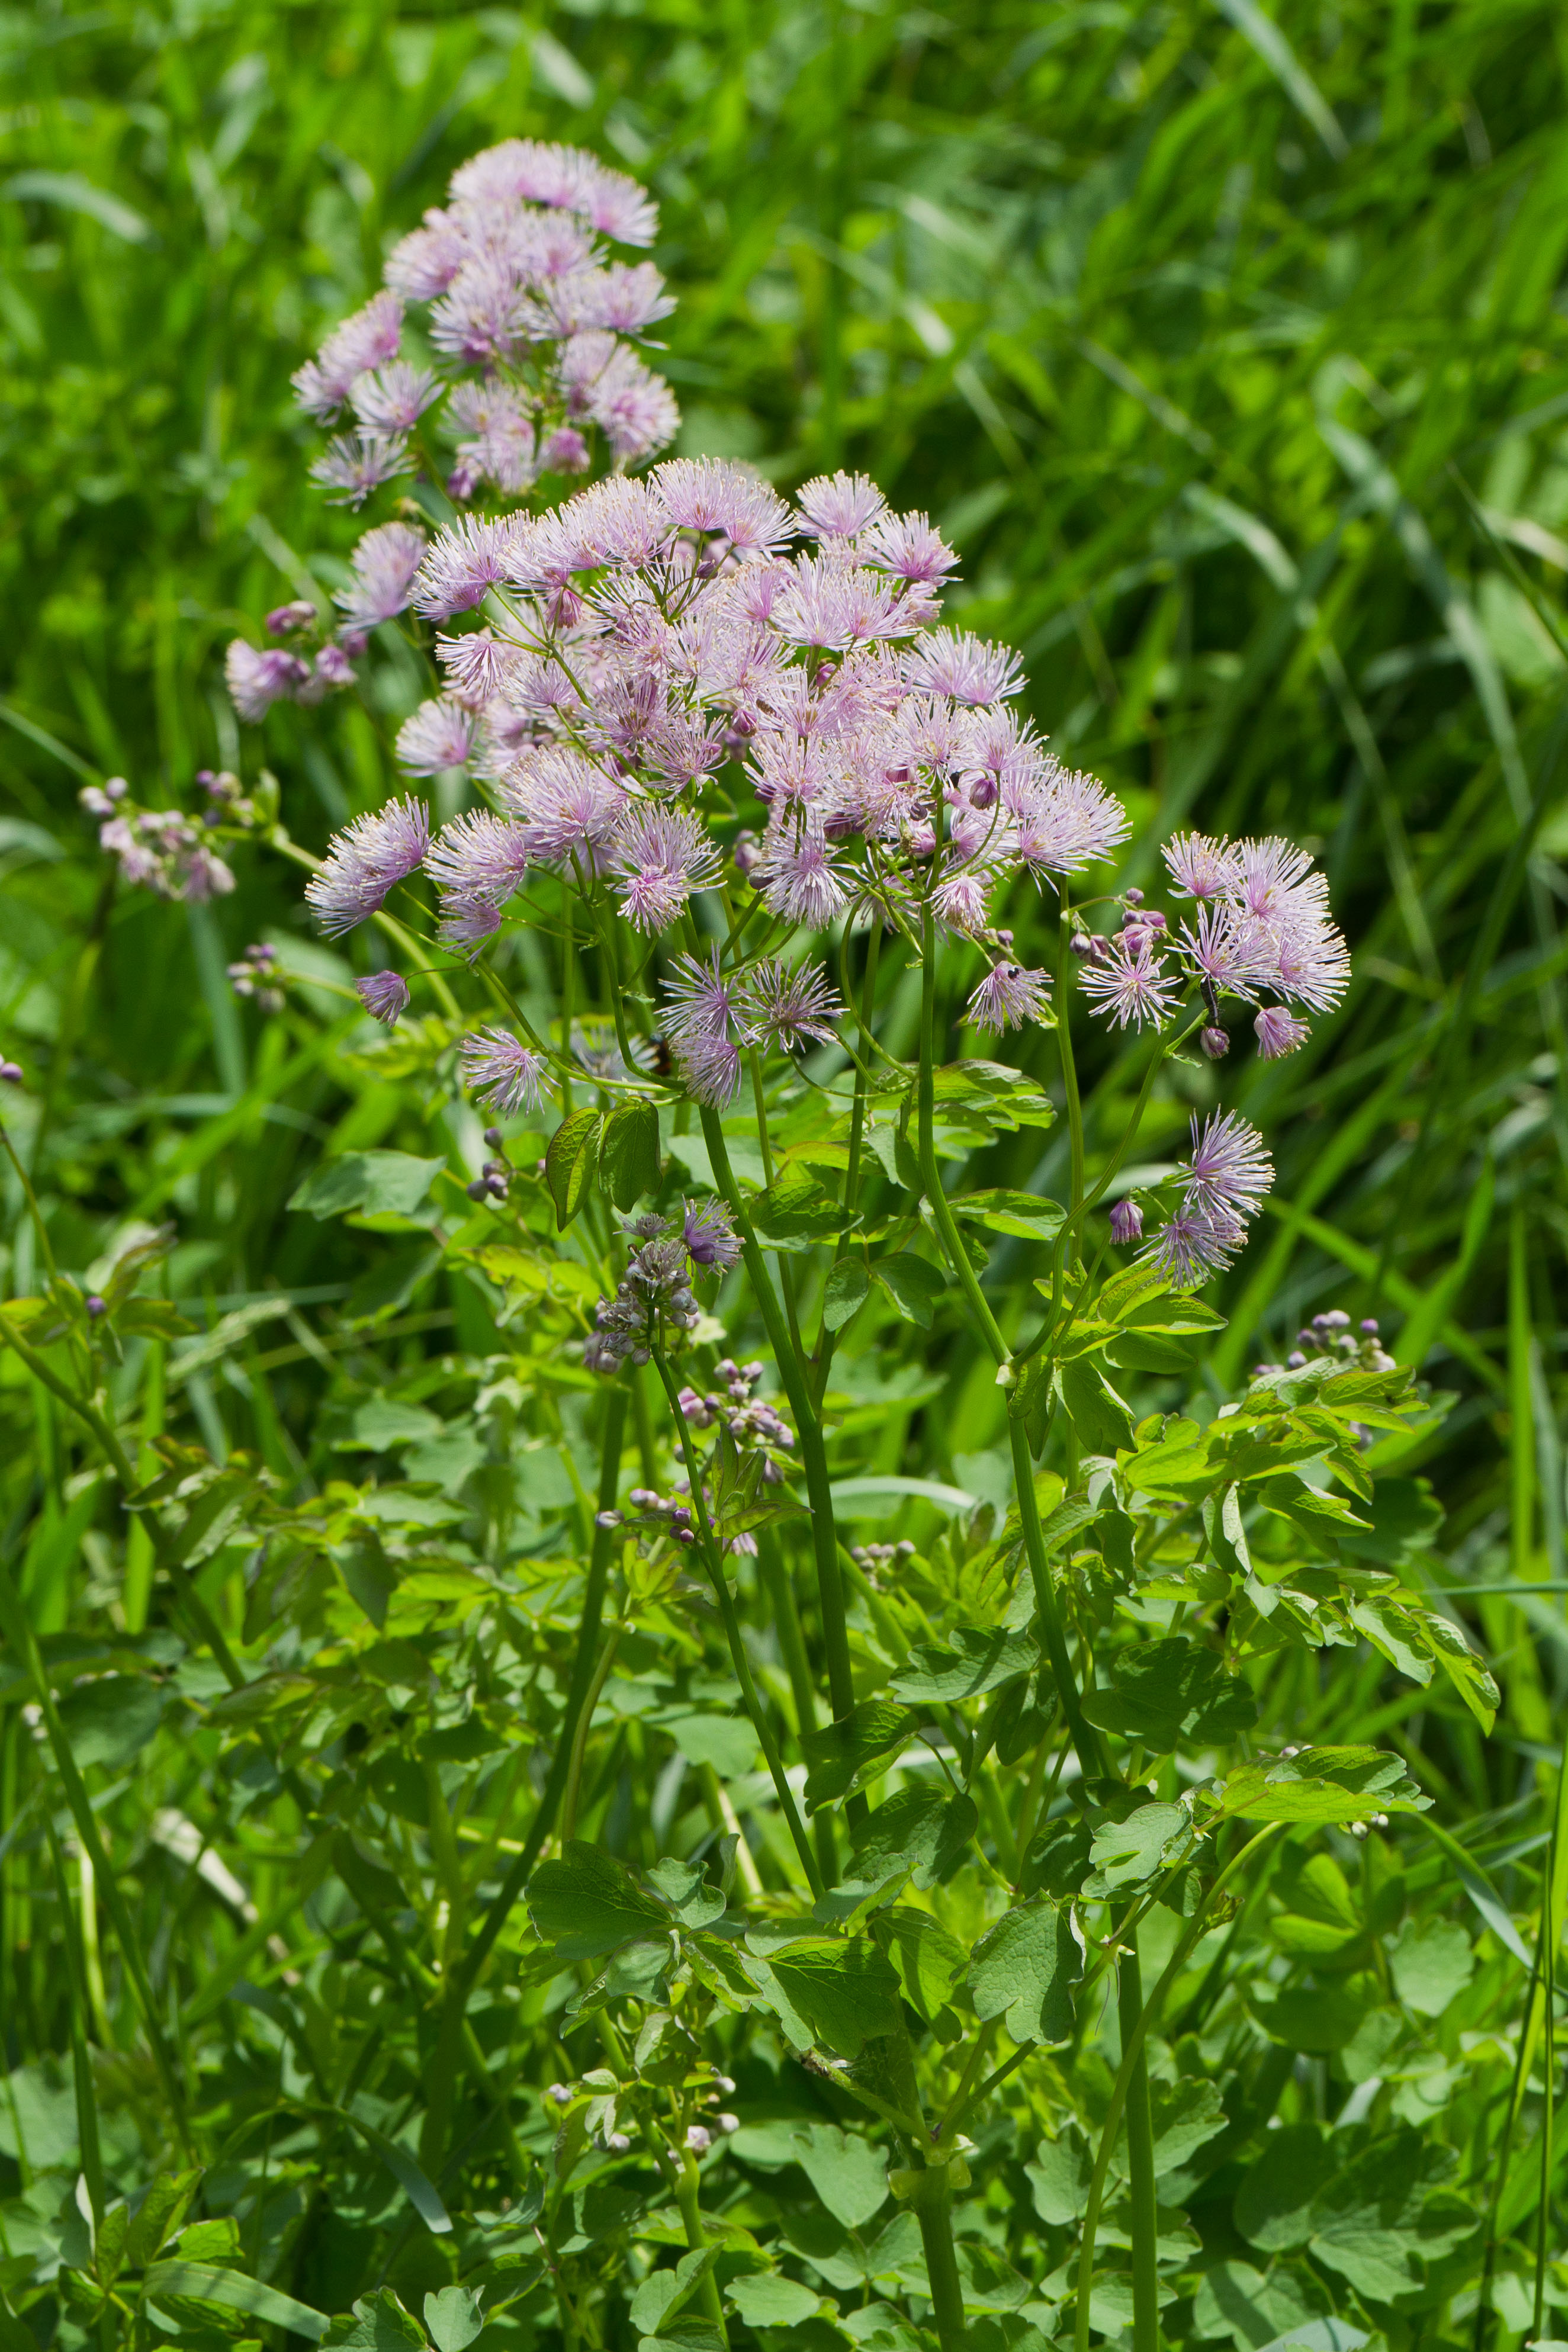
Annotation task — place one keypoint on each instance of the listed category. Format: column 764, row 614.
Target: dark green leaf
column 845, row 1754
column 845, row 1989
column 913, row 1284
column 629, row 1154
column 1023, row 1970
column 585, row 1904
column 571, row 1161
column 1025, row 1214
column 923, row 1830
column 972, row 1662
column 378, row 1184
column 212, row 2284
column 110, row 1718
column 1102, row 1421
column 1170, row 1688
column 847, row 1288
column 1273, row 2202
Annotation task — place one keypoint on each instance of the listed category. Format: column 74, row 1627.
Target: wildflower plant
column 746, row 837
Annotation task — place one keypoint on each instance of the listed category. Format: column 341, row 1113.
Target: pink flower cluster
column 524, row 308
column 164, row 850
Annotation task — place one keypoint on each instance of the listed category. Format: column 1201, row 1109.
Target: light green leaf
column 571, row 1161
column 377, row 1183
column 847, row 1288
column 211, row 2283
column 971, row 1663
column 1023, row 1970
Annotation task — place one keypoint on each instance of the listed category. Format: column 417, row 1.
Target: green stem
column 1133, row 2044
column 713, row 1561
column 686, row 2185
column 543, row 1820
column 1085, row 1738
column 932, row 2212
column 814, row 1453
column 1063, row 1043
column 1140, row 2164
column 580, row 1737
column 19, row 1638
column 930, row 1176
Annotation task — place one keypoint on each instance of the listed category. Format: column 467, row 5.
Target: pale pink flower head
column 258, row 678
column 470, row 557
column 836, row 506
column 438, row 736
column 787, row 1010
column 907, row 546
column 711, row 494
column 500, row 1069
column 354, row 465
column 364, row 341
column 800, row 880
column 1130, row 983
column 568, row 806
column 1193, row 1243
column 962, row 667
column 1008, row 996
column 392, row 399
column 1228, row 1171
column 385, row 995
column 663, row 854
column 1202, row 868
column 1279, row 1032
column 366, row 861
column 383, row 567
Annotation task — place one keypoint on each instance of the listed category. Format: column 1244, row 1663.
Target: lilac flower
column 478, row 665
column 1229, row 1171
column 1131, row 984
column 1279, row 1032
column 836, row 506
column 1231, row 951
column 709, row 494
column 1275, row 878
column 1126, row 1223
column 500, row 1069
column 385, row 995
column 1312, row 961
column 627, row 297
column 366, row 340
column 785, row 1010
column 394, row 398
column 710, row 1068
column 907, row 546
column 284, row 619
column 829, row 607
column 478, row 859
column 1193, row 1245
column 333, row 667
column 664, row 855
column 1200, row 867
column 354, row 465
column 256, row 678
column 569, row 807
column 438, row 736
column 799, row 880
column 1066, row 822
column 565, row 452
column 384, row 566
column 963, row 667
column 1008, row 996
column 711, row 1239
column 367, row 859
column 424, row 263
column 469, row 557
column 703, row 1003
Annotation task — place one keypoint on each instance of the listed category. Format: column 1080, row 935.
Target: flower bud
column 697, row 2140
column 11, row 1071
column 1126, row 1222
column 96, row 1306
column 1216, row 1043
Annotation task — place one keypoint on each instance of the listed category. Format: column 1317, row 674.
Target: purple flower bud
column 479, row 1189
column 96, row 1306
column 1081, row 944
column 494, row 1137
column 385, row 995
column 1133, row 898
column 1294, row 1360
column 1369, row 1325
column 461, row 483
column 1126, row 1222
column 565, row 452
column 559, row 2093
column 607, row 1519
column 116, row 787
column 697, row 2140
column 284, row 619
column 11, row 1071
column 1216, row 1043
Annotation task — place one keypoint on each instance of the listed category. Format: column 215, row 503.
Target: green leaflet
column 1166, row 1690
column 973, row 1661
column 376, row 1183
column 572, row 1162
column 211, row 2283
column 922, row 1830
column 629, row 1154
column 841, row 1991
column 843, row 1755
column 1024, row 1971
column 586, row 1904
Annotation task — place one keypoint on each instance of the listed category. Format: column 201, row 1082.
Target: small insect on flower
column 1228, row 1171
column 1008, row 996
column 385, row 995
column 367, row 860
column 500, row 1069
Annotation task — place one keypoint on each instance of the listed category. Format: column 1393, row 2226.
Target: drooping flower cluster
column 164, row 849
column 255, row 975
column 504, row 330
column 655, row 1303
column 1224, row 1180
column 1259, row 931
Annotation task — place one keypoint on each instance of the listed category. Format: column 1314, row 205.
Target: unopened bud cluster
column 494, row 1179
column 255, row 975
column 655, row 1302
column 750, row 1419
column 1332, row 1334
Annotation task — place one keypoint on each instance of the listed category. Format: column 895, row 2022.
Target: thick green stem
column 580, row 1737
column 814, row 1453
column 931, row 1175
column 1063, row 1043
column 687, row 2183
column 941, row 2269
column 1140, row 2164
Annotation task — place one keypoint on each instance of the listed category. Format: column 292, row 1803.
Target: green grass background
column 1228, row 346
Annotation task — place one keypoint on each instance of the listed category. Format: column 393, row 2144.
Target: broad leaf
column 1166, row 1689
column 1024, row 1971
column 571, row 1161
column 913, row 1284
column 376, row 1183
column 972, row 1662
column 629, row 1154
column 923, row 1830
column 585, row 1904
column 847, row 1288
column 845, row 1754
